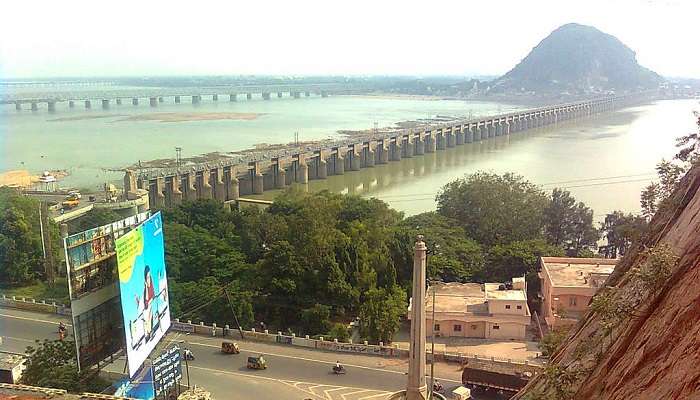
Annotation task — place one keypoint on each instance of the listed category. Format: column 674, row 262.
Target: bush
column 551, row 342
column 339, row 331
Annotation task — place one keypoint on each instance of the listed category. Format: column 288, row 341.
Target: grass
column 40, row 291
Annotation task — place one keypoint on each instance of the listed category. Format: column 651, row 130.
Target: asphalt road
column 293, row 373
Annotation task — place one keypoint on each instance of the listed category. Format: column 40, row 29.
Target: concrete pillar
column 159, row 195
column 249, row 96
column 119, row 101
column 258, row 182
column 177, row 99
column 302, row 170
column 232, row 97
column 205, row 189
column 154, row 101
column 279, row 95
column 395, row 149
column 307, row 93
column 71, row 103
column 492, row 128
column 440, row 141
column 406, row 147
column 430, row 142
column 217, row 182
column 370, row 155
column 468, row 133
column 215, row 97
column 266, row 96
column 355, row 157
column 384, row 153
column 418, row 145
column 161, row 99
column 231, row 180
column 476, row 132
column 190, row 192
column 51, row 105
column 18, row 106
column 505, row 128
column 88, row 104
column 338, row 160
column 280, row 176
column 450, row 136
column 196, row 99
column 175, row 192
column 459, row 135
column 322, row 166
column 35, row 106
column 135, row 101
column 416, row 388
column 105, row 104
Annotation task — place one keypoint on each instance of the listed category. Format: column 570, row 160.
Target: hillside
column 640, row 339
column 577, row 58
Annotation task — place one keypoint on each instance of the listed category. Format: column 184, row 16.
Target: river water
column 604, row 161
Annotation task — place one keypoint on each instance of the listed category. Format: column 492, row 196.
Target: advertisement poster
column 143, row 286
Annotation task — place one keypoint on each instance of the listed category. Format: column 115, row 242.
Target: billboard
column 143, row 286
column 139, row 387
column 91, row 265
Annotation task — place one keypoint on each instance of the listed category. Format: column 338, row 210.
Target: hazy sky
column 195, row 37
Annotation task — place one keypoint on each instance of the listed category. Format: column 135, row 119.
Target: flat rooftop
column 492, row 292
column 577, row 272
column 467, row 297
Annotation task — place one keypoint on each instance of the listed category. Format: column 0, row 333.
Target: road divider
column 29, row 304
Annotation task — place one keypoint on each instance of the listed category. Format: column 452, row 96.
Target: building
column 11, row 367
column 482, row 311
column 568, row 284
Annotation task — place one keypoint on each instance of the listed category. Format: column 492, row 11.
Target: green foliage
column 569, row 224
column 339, row 331
column 94, row 218
column 621, row 229
column 563, row 380
column 654, row 196
column 21, row 257
column 205, row 300
column 657, row 267
column 380, row 312
column 40, row 290
column 316, row 319
column 551, row 342
column 494, row 209
column 517, row 259
column 53, row 364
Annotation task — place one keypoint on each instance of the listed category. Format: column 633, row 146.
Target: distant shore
column 192, row 116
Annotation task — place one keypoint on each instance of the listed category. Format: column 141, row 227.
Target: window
column 496, row 327
column 458, row 328
column 436, row 328
column 507, row 306
column 520, row 307
column 572, row 301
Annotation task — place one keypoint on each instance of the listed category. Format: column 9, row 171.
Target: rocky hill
column 577, row 58
column 641, row 338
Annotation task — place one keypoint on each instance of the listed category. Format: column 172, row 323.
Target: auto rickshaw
column 230, row 348
column 256, row 363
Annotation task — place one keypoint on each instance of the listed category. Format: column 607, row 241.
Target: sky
column 48, row 38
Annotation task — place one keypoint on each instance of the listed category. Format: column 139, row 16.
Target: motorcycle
column 189, row 356
column 338, row 370
column 437, row 387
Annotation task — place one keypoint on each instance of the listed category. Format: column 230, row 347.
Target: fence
column 340, row 347
column 30, row 304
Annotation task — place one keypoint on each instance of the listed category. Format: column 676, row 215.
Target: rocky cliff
column 578, row 58
column 641, row 338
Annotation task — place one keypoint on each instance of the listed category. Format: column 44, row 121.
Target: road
column 293, row 373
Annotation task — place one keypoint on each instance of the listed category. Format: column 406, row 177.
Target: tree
column 380, row 313
column 494, row 209
column 316, row 320
column 551, row 342
column 339, row 331
column 620, row 230
column 649, row 200
column 53, row 364
column 506, row 261
column 689, row 144
column 569, row 224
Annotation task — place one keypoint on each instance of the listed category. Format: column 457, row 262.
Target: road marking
column 319, row 361
column 385, row 394
column 32, row 319
column 342, row 395
column 20, row 339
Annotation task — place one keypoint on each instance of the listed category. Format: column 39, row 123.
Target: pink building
column 473, row 310
column 568, row 284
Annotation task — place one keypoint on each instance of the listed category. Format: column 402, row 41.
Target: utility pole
column 235, row 317
column 45, row 230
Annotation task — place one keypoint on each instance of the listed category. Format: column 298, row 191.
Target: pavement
column 293, row 373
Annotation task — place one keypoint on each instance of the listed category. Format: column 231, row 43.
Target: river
column 604, row 161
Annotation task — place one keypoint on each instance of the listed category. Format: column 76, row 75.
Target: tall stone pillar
column 280, row 176
column 484, row 131
column 383, row 153
column 430, row 145
column 177, row 99
column 395, row 149
column 302, row 170
column 217, row 183
column 175, row 192
column 450, row 138
column 416, row 388
column 356, row 159
column 339, row 163
column 407, row 150
column 505, row 128
column 459, row 136
column 322, row 165
column 370, row 155
column 476, row 133
column 418, row 145
column 440, row 141
column 190, row 188
column 205, row 190
column 232, row 190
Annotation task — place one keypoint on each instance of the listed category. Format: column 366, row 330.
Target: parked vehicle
column 70, row 204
